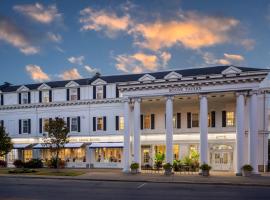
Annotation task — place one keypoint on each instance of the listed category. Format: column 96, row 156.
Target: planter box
column 205, row 173
column 246, row 173
column 134, row 171
column 168, row 172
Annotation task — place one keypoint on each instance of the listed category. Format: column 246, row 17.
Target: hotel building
column 221, row 112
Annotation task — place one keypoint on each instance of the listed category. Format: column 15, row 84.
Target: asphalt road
column 19, row 189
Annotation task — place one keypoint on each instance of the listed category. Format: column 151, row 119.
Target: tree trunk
column 57, row 159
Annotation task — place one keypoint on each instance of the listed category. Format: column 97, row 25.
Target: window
column 121, row 123
column 25, row 98
column 195, row 119
column 108, row 155
column 100, row 123
column 74, row 124
column 99, row 92
column 73, row 94
column 45, row 96
column 146, row 122
column 230, row 121
column 45, row 123
column 25, row 126
column 174, row 121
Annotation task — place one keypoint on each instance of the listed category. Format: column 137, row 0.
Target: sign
column 188, row 89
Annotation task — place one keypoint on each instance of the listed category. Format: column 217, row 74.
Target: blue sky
column 55, row 40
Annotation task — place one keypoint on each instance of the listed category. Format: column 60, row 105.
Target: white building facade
column 221, row 112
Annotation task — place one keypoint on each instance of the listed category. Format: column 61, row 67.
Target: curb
column 138, row 181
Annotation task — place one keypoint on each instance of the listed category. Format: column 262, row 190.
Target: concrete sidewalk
column 117, row 175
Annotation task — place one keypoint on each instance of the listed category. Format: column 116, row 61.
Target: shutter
column 79, row 124
column 117, row 123
column 29, row 126
column 213, row 119
column 40, row 96
column 20, row 98
column 40, row 125
column 104, row 91
column 117, row 92
column 50, row 96
column 178, row 120
column 165, row 120
column 67, row 94
column 68, row 123
column 141, row 122
column 2, row 99
column 79, row 93
column 224, row 118
column 104, row 123
column 94, row 92
column 152, row 121
column 188, row 120
column 20, row 126
column 29, row 97
column 94, row 124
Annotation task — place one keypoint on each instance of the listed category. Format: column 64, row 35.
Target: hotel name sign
column 185, row 89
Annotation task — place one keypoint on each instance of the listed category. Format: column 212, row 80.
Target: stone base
column 238, row 174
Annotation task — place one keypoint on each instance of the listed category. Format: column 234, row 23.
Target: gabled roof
column 205, row 71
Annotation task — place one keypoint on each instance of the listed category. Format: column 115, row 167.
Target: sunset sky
column 55, row 40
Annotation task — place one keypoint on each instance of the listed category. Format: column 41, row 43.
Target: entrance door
column 221, row 158
column 146, row 158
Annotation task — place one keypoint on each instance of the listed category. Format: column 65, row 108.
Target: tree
column 57, row 136
column 5, row 142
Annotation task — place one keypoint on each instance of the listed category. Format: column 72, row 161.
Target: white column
column 137, row 131
column 203, row 130
column 126, row 150
column 169, row 129
column 253, row 132
column 240, row 108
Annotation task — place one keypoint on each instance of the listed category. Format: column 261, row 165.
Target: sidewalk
column 117, row 175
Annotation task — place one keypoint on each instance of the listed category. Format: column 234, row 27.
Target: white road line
column 140, row 186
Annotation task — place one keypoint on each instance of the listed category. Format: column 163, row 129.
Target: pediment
column 231, row 70
column 44, row 86
column 23, row 88
column 173, row 75
column 99, row 81
column 147, row 77
column 72, row 84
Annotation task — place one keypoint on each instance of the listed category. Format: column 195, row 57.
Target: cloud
column 39, row 13
column 70, row 74
column 248, row 44
column 90, row 69
column 55, row 37
column 140, row 62
column 192, row 31
column 36, row 73
column 228, row 59
column 14, row 36
column 235, row 57
column 102, row 20
column 76, row 60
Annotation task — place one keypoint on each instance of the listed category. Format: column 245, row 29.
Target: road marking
column 140, row 186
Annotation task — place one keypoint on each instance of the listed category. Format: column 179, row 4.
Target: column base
column 238, row 174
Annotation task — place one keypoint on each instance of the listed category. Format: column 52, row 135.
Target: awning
column 107, row 145
column 21, row 146
column 68, row 145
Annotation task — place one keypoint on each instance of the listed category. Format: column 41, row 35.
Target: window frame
column 101, row 128
column 99, row 92
column 71, row 124
column 72, row 94
column 121, row 123
column 144, row 121
column 24, row 97
column 23, row 126
column 192, row 126
column 45, row 98
column 232, row 118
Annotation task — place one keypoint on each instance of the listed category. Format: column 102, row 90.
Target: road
column 35, row 189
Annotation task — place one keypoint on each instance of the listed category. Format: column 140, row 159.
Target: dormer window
column 24, row 98
column 73, row 94
column 46, row 96
column 99, row 92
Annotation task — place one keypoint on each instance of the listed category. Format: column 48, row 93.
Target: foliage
column 134, row 166
column 247, row 168
column 205, row 167
column 159, row 160
column 57, row 136
column 3, row 163
column 21, row 171
column 167, row 166
column 5, row 142
column 53, row 163
column 177, row 165
column 18, row 164
column 34, row 163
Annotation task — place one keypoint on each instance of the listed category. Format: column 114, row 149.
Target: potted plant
column 205, row 169
column 168, row 168
column 159, row 160
column 134, row 168
column 247, row 170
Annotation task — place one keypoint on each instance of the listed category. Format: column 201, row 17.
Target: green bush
column 159, row 160
column 167, row 166
column 21, row 171
column 247, row 168
column 177, row 165
column 53, row 163
column 34, row 163
column 205, row 167
column 3, row 163
column 18, row 164
column 134, row 166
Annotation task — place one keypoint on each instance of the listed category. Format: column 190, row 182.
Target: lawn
column 46, row 172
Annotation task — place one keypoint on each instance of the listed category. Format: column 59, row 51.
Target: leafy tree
column 57, row 136
column 5, row 142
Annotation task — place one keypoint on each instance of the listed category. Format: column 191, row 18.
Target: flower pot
column 246, row 173
column 168, row 171
column 134, row 171
column 205, row 173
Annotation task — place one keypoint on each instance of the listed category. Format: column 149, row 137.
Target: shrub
column 21, row 171
column 167, row 166
column 247, row 168
column 3, row 163
column 177, row 165
column 134, row 166
column 159, row 160
column 53, row 163
column 34, row 163
column 205, row 166
column 18, row 164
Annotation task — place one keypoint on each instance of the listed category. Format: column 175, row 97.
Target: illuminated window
column 45, row 124
column 24, row 98
column 74, row 124
column 99, row 92
column 73, row 94
column 100, row 123
column 28, row 155
column 195, row 119
column 146, row 122
column 230, row 121
column 45, row 96
column 174, row 121
column 121, row 123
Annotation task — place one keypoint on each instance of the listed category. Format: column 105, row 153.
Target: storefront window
column 108, row 155
column 230, row 119
column 161, row 149
column 67, row 154
column 28, row 155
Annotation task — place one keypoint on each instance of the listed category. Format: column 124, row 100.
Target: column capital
column 239, row 93
column 252, row 92
column 203, row 95
column 137, row 99
column 169, row 97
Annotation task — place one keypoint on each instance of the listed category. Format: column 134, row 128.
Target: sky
column 49, row 40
